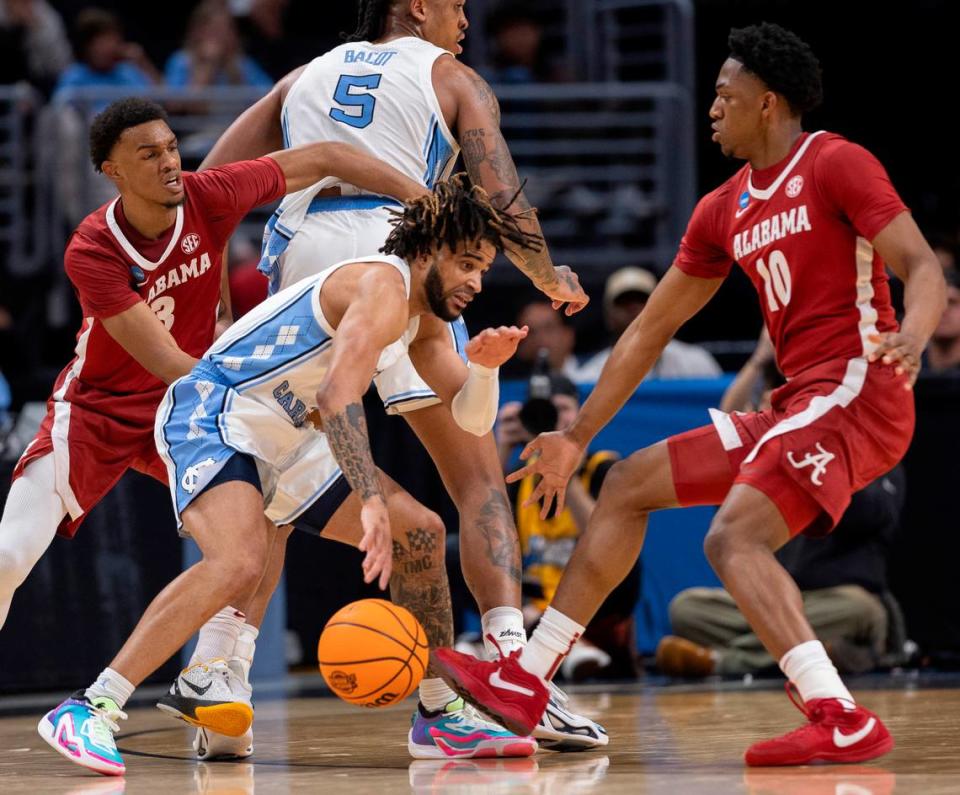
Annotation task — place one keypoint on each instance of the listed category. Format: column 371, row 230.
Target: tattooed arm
column 368, row 306
column 489, row 164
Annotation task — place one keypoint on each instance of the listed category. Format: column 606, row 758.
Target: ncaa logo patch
column 190, row 243
column 744, row 200
column 794, row 186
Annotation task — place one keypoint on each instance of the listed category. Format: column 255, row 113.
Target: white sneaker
column 210, row 695
column 583, row 661
column 210, row 746
column 562, row 730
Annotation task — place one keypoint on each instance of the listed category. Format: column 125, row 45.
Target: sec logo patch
column 794, row 186
column 190, row 243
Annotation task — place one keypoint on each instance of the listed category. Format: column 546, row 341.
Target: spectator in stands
column 105, row 57
column 943, row 352
column 624, row 297
column 264, row 33
column 549, row 330
column 33, row 43
column 212, row 54
column 516, row 32
column 945, row 247
column 843, row 577
column 608, row 646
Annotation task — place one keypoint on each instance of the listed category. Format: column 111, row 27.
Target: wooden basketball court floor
column 679, row 741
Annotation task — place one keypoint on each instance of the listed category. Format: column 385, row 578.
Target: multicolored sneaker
column 210, row 695
column 211, row 746
column 83, row 732
column 501, row 689
column 457, row 731
column 838, row 731
column 561, row 730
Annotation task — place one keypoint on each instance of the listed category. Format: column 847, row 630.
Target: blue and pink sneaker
column 83, row 732
column 459, row 732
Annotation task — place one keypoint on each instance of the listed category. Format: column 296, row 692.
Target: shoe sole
column 839, row 757
column 451, row 678
column 45, row 730
column 231, row 719
column 518, row 747
column 202, row 743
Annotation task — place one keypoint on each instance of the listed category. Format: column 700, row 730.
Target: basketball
column 373, row 653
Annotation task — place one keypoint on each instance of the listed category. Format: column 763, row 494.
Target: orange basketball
column 373, row 653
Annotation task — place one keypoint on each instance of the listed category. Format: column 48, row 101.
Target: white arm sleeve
column 475, row 405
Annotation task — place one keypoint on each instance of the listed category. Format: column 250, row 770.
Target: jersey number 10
column 364, row 101
column 776, row 280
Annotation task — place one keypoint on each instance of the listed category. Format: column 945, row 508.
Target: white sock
column 435, row 694
column 551, row 642
column 810, row 669
column 218, row 636
column 244, row 649
column 505, row 625
column 112, row 685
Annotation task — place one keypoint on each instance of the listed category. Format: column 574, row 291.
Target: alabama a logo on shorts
column 818, row 461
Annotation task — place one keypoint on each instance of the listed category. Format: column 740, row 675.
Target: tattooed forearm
column 347, row 433
column 489, row 164
column 419, row 583
column 496, row 527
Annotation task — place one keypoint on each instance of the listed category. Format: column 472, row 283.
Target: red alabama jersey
column 112, row 267
column 801, row 231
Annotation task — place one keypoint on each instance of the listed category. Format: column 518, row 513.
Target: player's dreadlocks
column 781, row 60
column 371, row 19
column 456, row 212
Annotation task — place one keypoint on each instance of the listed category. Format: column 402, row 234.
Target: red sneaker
column 835, row 733
column 509, row 694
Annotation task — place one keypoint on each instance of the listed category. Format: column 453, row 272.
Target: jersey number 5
column 776, row 280
column 364, row 101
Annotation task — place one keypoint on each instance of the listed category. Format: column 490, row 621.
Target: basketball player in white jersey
column 235, row 438
column 396, row 90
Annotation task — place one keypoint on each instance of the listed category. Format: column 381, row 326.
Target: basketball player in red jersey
column 147, row 270
column 811, row 218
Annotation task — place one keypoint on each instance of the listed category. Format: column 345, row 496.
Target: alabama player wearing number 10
column 146, row 268
column 812, row 219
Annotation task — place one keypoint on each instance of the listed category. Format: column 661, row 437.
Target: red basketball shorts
column 829, row 432
column 91, row 452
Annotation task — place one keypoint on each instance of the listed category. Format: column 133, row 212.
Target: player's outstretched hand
column 567, row 291
column 902, row 350
column 555, row 458
column 377, row 541
column 493, row 346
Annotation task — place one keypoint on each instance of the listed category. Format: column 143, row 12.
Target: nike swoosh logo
column 738, row 213
column 497, row 681
column 842, row 740
column 198, row 690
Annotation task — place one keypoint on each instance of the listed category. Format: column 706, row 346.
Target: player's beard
column 176, row 202
column 433, row 285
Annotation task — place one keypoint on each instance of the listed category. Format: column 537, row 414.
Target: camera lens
column 538, row 415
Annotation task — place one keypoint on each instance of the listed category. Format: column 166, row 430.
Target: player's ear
column 418, row 9
column 769, row 102
column 110, row 170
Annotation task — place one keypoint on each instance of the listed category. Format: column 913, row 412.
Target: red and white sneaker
column 835, row 733
column 502, row 689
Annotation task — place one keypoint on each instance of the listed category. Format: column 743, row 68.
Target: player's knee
column 626, row 483
column 434, row 534
column 13, row 570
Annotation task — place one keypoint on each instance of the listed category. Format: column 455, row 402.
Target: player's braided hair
column 109, row 124
column 371, row 19
column 456, row 212
column 781, row 60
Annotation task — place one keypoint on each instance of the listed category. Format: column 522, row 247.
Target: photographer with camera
column 546, row 545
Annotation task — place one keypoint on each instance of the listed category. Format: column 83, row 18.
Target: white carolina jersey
column 377, row 97
column 280, row 351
